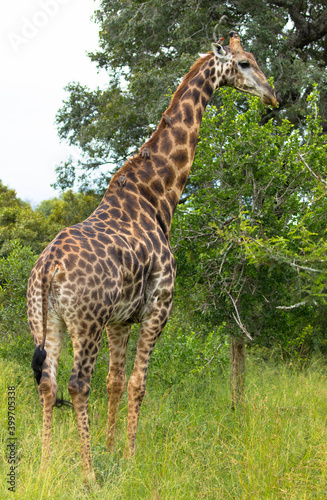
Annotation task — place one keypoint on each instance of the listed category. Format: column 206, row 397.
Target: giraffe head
column 240, row 70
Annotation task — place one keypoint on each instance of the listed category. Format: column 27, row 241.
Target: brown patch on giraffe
column 199, row 113
column 181, row 180
column 208, row 89
column 59, row 277
column 167, row 175
column 165, row 143
column 157, row 186
column 173, row 198
column 71, row 261
column 146, row 207
column 115, row 213
column 180, row 135
column 188, row 111
column 187, row 96
column 180, row 158
column 145, row 191
column 196, row 96
column 198, row 81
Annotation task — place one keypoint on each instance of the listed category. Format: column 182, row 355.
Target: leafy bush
column 14, row 272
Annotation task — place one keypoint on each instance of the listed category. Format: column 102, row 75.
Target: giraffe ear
column 218, row 50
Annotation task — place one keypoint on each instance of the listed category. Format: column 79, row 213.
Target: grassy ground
column 190, row 445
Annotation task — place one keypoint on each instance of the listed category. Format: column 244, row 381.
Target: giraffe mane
column 187, row 78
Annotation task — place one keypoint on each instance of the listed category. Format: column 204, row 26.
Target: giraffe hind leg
column 45, row 365
column 86, row 349
column 118, row 337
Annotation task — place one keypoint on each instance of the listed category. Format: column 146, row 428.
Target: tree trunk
column 237, row 373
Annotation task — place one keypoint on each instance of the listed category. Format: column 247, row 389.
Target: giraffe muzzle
column 269, row 98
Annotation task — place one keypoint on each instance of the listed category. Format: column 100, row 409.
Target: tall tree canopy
column 146, row 49
column 251, row 245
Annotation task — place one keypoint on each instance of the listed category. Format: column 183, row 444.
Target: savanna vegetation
column 250, row 240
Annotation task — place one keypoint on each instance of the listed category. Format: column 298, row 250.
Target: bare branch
column 311, row 171
column 184, row 200
column 237, row 318
column 214, row 355
column 297, row 266
column 299, row 304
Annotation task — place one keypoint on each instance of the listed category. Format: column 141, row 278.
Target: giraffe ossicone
column 116, row 267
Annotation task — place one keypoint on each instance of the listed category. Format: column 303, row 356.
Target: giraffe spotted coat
column 116, row 267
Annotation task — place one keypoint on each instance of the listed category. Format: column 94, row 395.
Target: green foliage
column 251, row 243
column 146, row 49
column 46, row 206
column 182, row 350
column 19, row 222
column 16, row 343
column 69, row 209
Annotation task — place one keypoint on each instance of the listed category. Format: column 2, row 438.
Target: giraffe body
column 116, row 267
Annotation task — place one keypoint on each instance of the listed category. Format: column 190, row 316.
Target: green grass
column 190, row 445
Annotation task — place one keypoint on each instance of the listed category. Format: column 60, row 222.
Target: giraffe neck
column 159, row 179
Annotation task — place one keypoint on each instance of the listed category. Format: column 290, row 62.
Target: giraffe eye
column 244, row 64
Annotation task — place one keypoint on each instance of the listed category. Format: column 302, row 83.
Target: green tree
column 251, row 243
column 146, row 49
column 69, row 209
column 19, row 222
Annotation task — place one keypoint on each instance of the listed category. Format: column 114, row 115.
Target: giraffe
column 116, row 268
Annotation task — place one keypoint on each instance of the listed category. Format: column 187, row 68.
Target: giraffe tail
column 37, row 362
column 40, row 353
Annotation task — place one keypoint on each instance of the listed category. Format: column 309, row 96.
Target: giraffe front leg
column 150, row 331
column 136, row 391
column 116, row 381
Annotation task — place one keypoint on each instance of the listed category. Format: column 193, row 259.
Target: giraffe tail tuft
column 37, row 363
column 38, row 359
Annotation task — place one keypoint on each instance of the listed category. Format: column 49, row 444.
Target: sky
column 44, row 45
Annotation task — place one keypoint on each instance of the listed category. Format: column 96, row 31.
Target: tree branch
column 299, row 304
column 237, row 318
column 311, row 171
column 306, row 32
column 184, row 200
